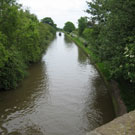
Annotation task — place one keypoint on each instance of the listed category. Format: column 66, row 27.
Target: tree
column 82, row 24
column 48, row 20
column 114, row 31
column 69, row 27
column 87, row 33
column 113, row 41
column 22, row 40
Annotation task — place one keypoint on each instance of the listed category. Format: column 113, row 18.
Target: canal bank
column 112, row 85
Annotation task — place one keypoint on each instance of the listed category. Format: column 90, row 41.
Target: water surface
column 63, row 95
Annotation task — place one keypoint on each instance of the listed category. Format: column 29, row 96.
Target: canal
column 63, row 95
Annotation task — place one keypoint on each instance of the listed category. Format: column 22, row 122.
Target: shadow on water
column 98, row 105
column 67, row 40
column 82, row 59
column 68, row 43
column 20, row 102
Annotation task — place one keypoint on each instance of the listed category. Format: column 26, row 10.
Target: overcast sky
column 60, row 11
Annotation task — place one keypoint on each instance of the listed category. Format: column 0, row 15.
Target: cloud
column 59, row 10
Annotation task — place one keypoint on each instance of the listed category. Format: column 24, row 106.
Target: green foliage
column 82, row 24
column 22, row 40
column 87, row 33
column 69, row 27
column 13, row 70
column 46, row 35
column 112, row 37
column 104, row 68
column 3, row 52
column 129, row 60
column 48, row 20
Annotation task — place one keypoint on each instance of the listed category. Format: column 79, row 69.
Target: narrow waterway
column 63, row 95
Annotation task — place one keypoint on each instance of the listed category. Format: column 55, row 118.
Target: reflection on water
column 18, row 103
column 67, row 40
column 97, row 104
column 63, row 95
column 82, row 57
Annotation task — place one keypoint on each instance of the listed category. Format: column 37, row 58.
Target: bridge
column 123, row 125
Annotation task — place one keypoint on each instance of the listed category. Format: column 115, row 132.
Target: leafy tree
column 87, row 33
column 22, row 41
column 69, row 27
column 46, row 35
column 115, row 24
column 13, row 70
column 113, row 40
column 82, row 24
column 3, row 52
column 48, row 20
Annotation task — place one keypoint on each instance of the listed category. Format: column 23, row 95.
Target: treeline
column 110, row 33
column 22, row 41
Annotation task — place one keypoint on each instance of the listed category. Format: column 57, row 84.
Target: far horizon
column 60, row 11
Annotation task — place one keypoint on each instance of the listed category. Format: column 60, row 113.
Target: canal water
column 63, row 95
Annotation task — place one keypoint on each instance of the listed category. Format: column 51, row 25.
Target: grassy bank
column 102, row 68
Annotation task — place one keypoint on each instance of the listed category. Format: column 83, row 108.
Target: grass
column 104, row 69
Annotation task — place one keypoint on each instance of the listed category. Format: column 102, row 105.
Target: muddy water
column 63, row 95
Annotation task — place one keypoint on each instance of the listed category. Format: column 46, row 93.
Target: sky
column 60, row 11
